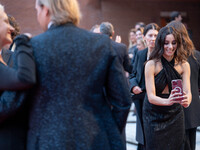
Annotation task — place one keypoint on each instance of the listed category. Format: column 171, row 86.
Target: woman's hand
column 118, row 39
column 137, row 90
column 185, row 102
column 176, row 97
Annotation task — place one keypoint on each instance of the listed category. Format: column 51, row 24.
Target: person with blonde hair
column 13, row 114
column 132, row 38
column 141, row 44
column 75, row 68
column 95, row 28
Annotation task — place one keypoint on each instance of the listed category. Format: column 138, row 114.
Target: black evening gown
column 164, row 125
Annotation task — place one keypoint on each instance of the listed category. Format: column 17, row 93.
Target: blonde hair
column 142, row 41
column 62, row 11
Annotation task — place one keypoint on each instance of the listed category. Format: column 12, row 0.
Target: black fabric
column 192, row 112
column 163, row 125
column 69, row 110
column 190, row 142
column 139, row 127
column 137, row 79
column 137, row 75
column 140, row 147
column 122, row 54
column 133, row 50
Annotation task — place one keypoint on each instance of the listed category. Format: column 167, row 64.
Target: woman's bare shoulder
column 185, row 65
column 151, row 63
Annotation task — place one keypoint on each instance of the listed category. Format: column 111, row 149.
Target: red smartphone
column 177, row 84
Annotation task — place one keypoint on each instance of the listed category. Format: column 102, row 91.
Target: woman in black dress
column 162, row 112
column 191, row 113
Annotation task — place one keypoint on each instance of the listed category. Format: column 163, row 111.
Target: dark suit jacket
column 69, row 110
column 137, row 79
column 13, row 113
column 122, row 54
column 137, row 75
column 133, row 50
column 192, row 113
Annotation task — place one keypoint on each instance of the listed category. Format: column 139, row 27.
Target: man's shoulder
column 73, row 34
column 142, row 52
column 118, row 45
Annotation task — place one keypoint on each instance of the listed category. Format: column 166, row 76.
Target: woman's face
column 170, row 46
column 5, row 30
column 139, row 34
column 140, row 45
column 132, row 37
column 150, row 38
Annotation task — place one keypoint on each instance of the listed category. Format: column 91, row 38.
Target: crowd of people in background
column 69, row 88
column 157, row 111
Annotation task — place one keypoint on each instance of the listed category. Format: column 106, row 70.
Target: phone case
column 177, row 84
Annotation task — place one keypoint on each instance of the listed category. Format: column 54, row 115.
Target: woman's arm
column 186, row 85
column 150, row 87
column 23, row 74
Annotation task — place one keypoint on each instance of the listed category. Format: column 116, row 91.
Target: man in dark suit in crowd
column 120, row 48
column 69, row 109
column 192, row 113
column 175, row 15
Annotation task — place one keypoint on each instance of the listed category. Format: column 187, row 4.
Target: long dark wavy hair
column 187, row 42
column 180, row 54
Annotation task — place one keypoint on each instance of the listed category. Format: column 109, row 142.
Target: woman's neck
column 168, row 58
column 150, row 49
column 149, row 52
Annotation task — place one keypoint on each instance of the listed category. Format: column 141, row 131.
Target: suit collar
column 52, row 26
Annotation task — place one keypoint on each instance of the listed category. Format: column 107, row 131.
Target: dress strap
column 170, row 71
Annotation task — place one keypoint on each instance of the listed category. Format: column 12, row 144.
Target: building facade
column 123, row 14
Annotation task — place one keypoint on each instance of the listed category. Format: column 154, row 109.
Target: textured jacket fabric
column 192, row 113
column 69, row 110
column 122, row 53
